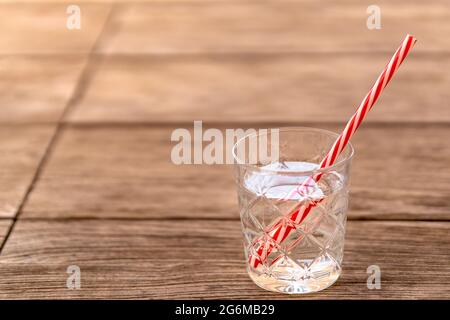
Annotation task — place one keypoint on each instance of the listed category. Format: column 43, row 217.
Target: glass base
column 312, row 282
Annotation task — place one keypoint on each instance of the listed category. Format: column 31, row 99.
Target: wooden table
column 85, row 172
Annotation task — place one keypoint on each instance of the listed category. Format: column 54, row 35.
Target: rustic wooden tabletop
column 86, row 117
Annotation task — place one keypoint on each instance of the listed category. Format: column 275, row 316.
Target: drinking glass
column 308, row 257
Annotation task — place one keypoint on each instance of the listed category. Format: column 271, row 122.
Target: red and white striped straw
column 283, row 228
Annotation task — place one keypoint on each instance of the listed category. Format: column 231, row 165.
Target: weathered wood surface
column 41, row 28
column 4, row 227
column 22, row 148
column 37, row 88
column 101, row 172
column 275, row 26
column 204, row 259
column 283, row 88
column 107, row 197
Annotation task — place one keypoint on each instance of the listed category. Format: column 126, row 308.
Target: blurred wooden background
column 86, row 117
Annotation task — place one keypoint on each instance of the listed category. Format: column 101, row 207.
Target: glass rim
column 254, row 167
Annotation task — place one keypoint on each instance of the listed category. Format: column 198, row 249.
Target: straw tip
column 414, row 40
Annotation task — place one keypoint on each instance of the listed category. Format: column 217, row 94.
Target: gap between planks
column 80, row 87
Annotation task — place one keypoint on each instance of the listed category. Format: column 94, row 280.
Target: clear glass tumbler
column 308, row 256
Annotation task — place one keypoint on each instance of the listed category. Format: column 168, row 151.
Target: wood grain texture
column 110, row 200
column 37, row 88
column 101, row 172
column 23, row 31
column 22, row 149
column 4, row 227
column 146, row 259
column 274, row 26
column 271, row 88
column 128, row 172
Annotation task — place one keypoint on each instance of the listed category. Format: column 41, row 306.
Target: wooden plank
column 22, row 149
column 4, row 227
column 42, row 28
column 204, row 259
column 99, row 172
column 138, row 181
column 275, row 27
column 270, row 88
column 37, row 88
